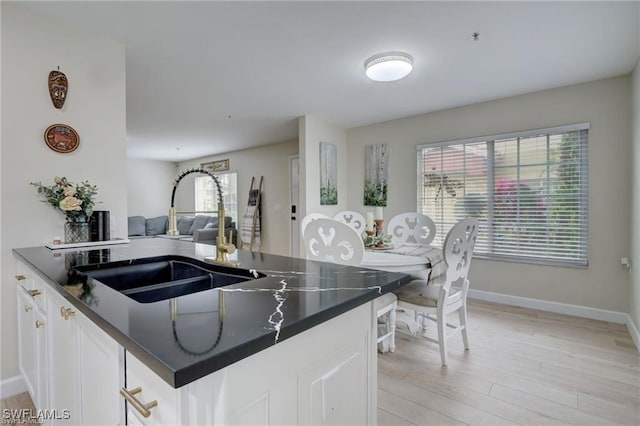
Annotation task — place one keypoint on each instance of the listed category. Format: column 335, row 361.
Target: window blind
column 528, row 189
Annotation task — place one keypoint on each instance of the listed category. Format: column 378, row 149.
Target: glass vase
column 76, row 232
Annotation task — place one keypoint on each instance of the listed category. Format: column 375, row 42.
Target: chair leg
column 462, row 312
column 392, row 328
column 442, row 337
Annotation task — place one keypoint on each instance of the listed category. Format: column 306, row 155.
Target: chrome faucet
column 223, row 247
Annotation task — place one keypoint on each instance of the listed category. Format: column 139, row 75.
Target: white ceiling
column 213, row 77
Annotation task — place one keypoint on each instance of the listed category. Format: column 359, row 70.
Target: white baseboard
column 12, row 386
column 544, row 305
column 633, row 331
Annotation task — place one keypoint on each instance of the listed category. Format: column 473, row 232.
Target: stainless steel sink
column 160, row 278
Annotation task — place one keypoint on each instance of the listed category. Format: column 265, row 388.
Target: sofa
column 199, row 228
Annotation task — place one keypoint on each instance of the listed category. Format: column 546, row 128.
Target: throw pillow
column 199, row 223
column 210, row 225
column 156, row 225
column 136, row 226
column 184, row 224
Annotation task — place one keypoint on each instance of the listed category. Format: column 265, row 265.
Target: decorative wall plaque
column 217, row 166
column 58, row 87
column 61, row 138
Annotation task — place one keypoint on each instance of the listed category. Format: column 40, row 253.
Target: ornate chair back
column 353, row 219
column 328, row 240
column 457, row 252
column 311, row 217
column 413, row 228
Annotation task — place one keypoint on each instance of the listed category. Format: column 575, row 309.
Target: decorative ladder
column 251, row 218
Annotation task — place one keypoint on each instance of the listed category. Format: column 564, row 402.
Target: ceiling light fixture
column 389, row 66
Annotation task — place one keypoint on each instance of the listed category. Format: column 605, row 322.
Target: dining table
column 421, row 261
column 417, row 267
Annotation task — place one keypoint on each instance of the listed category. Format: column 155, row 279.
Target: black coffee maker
column 99, row 227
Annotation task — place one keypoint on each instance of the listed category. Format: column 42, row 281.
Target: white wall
column 606, row 105
column 149, row 186
column 634, row 300
column 313, row 130
column 269, row 161
column 32, row 46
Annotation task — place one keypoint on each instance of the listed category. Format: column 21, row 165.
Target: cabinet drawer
column 32, row 284
column 146, row 387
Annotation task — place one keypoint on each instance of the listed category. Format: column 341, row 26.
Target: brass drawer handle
column 20, row 277
column 139, row 406
column 34, row 293
column 39, row 324
column 27, row 308
column 66, row 312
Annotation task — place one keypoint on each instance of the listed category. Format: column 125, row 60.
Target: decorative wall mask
column 58, row 87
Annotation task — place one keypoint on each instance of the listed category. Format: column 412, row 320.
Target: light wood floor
column 525, row 367
column 11, row 408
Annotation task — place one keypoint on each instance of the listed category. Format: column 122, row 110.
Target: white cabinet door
column 32, row 336
column 42, row 388
column 64, row 374
column 154, row 391
column 322, row 376
column 100, row 375
column 26, row 340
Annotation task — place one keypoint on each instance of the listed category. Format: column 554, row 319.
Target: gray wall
column 149, row 186
column 270, row 161
column 33, row 45
column 606, row 104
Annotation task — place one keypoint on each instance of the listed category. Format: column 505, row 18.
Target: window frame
column 490, row 140
column 226, row 193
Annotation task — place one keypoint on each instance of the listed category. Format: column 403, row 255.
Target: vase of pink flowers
column 75, row 201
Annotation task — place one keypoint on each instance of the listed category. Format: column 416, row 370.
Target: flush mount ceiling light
column 389, row 66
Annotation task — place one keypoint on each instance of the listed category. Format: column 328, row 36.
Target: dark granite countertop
column 295, row 295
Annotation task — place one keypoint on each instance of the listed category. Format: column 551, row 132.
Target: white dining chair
column 412, row 228
column 328, row 240
column 438, row 299
column 353, row 219
column 310, row 217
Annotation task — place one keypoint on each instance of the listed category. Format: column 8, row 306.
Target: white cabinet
column 26, row 339
column 150, row 399
column 42, row 365
column 101, row 375
column 32, row 335
column 72, row 368
column 323, row 376
column 64, row 371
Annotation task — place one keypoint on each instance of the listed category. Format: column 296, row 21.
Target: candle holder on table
column 379, row 223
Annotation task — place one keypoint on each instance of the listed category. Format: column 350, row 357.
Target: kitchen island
column 301, row 332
